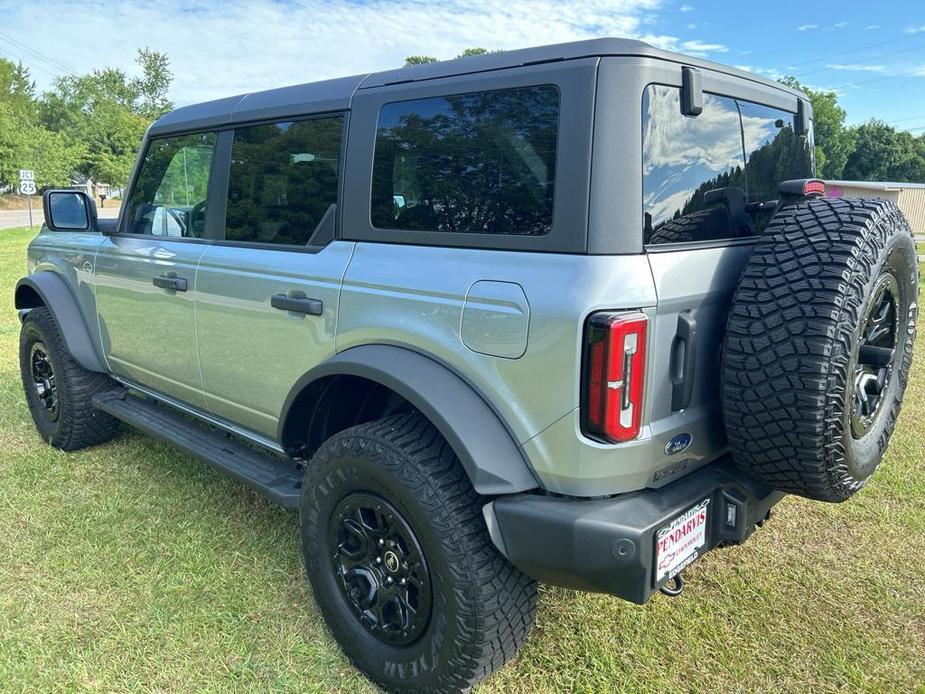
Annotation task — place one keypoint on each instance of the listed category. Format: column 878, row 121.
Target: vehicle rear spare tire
column 819, row 344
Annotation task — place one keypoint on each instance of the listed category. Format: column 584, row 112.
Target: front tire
column 58, row 390
column 400, row 560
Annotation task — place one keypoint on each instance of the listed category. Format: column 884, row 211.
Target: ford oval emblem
column 679, row 443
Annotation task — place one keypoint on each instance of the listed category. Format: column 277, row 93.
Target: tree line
column 84, row 127
column 872, row 151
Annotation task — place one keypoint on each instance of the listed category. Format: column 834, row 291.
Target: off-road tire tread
column 789, row 339
column 496, row 602
column 79, row 423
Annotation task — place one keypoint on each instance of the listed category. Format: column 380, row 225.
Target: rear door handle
column 683, row 361
column 284, row 302
column 177, row 284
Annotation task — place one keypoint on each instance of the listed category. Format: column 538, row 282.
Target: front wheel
column 400, row 560
column 58, row 390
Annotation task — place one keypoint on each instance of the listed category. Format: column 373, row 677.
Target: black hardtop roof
column 337, row 94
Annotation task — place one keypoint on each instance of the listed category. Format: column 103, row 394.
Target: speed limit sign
column 27, row 187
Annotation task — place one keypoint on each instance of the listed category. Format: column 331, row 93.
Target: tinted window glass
column 774, row 152
column 283, row 181
column 482, row 163
column 685, row 158
column 169, row 197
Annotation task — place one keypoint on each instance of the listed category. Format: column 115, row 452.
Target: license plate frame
column 682, row 541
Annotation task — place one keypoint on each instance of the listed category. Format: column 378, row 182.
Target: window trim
column 575, row 81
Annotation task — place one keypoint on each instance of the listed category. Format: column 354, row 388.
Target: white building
column 909, row 197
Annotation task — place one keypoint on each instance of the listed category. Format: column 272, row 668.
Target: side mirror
column 69, row 210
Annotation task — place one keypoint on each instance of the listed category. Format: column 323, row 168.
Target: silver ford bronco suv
column 575, row 314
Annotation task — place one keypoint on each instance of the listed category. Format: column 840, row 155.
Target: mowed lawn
column 132, row 567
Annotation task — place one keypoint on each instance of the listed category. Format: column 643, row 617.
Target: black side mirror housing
column 69, row 210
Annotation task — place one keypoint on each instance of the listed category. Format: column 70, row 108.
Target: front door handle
column 284, row 302
column 177, row 284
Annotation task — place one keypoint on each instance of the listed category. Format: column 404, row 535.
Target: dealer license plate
column 679, row 543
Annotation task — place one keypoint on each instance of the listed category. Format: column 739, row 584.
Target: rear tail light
column 613, row 375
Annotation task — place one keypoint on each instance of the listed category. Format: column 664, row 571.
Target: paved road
column 20, row 218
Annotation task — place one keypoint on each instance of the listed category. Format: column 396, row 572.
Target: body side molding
column 49, row 289
column 489, row 454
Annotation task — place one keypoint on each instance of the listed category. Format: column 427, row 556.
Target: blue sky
column 873, row 54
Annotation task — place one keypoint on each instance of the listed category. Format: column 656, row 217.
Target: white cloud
column 247, row 45
column 919, row 71
column 872, row 26
column 696, row 47
column 839, row 25
column 687, row 8
column 915, row 30
column 693, row 47
column 807, row 27
column 769, row 72
column 857, row 67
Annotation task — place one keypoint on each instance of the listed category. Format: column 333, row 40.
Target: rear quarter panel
column 413, row 296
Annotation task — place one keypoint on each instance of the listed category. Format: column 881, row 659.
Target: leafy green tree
column 423, row 59
column 24, row 143
column 419, row 60
column 473, row 51
column 834, row 141
column 884, row 154
column 107, row 112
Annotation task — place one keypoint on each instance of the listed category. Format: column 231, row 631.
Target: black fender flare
column 488, row 451
column 48, row 289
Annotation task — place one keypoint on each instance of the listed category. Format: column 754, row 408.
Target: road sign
column 27, row 188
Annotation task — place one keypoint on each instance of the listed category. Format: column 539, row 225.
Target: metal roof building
column 909, row 197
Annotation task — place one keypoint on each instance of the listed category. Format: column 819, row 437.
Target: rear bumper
column 608, row 545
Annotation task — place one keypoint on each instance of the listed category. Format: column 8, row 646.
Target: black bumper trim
column 608, row 545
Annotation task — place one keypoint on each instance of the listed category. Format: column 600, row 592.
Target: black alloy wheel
column 43, row 380
column 875, row 355
column 380, row 567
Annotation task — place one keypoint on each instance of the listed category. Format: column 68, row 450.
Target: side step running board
column 278, row 479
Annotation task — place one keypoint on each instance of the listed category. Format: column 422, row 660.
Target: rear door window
column 482, row 162
column 283, row 181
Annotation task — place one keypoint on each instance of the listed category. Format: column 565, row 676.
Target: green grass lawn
column 132, row 567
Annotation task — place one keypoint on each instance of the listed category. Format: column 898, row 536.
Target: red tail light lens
column 614, row 374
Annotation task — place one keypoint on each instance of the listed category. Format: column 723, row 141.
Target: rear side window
column 483, row 162
column 774, row 152
column 169, row 196
column 683, row 159
column 282, row 186
column 701, row 173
